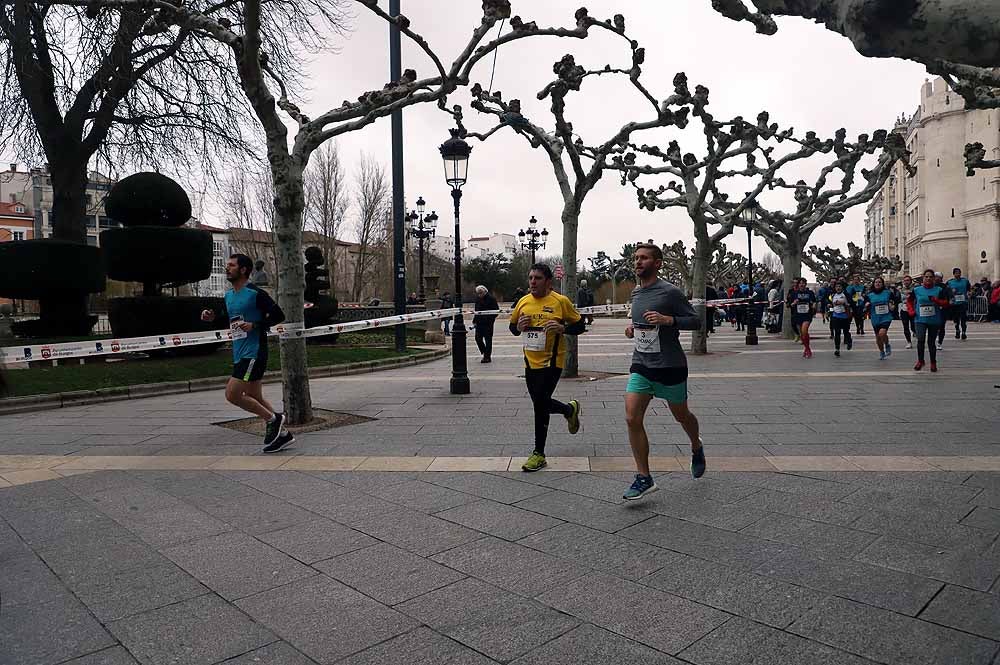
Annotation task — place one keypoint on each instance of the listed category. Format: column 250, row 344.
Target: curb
column 29, row 403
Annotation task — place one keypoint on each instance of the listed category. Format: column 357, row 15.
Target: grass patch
column 134, row 371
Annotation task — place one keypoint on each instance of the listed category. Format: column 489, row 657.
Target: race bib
column 802, row 308
column 928, row 311
column 234, row 328
column 882, row 309
column 838, row 309
column 534, row 339
column 959, row 298
column 647, row 339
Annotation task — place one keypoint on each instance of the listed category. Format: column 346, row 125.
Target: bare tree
column 249, row 215
column 831, row 263
column 372, row 203
column 577, row 166
column 957, row 39
column 326, row 201
column 725, row 267
column 82, row 83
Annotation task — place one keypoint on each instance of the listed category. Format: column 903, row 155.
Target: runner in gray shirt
column 659, row 367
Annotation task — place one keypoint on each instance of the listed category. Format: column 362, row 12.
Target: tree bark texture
column 699, row 277
column 570, row 224
column 289, row 202
column 791, row 264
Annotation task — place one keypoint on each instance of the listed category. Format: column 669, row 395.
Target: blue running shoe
column 698, row 463
column 888, row 350
column 642, row 486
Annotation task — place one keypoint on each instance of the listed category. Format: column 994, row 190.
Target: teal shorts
column 675, row 394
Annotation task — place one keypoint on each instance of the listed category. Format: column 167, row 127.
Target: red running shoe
column 933, row 367
column 919, row 366
column 807, row 354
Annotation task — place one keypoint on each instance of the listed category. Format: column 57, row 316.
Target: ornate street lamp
column 749, row 216
column 533, row 239
column 455, row 153
column 421, row 228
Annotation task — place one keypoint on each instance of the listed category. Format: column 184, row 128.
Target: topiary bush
column 324, row 307
column 154, row 248
column 57, row 273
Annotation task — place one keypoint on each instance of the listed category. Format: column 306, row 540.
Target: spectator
column 412, row 300
column 995, row 302
column 710, row 295
column 483, row 323
column 446, row 303
column 585, row 298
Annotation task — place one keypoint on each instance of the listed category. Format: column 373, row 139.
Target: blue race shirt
column 802, row 300
column 243, row 305
column 856, row 293
column 928, row 311
column 881, row 307
column 960, row 290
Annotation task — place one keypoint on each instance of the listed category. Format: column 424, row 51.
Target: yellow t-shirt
column 553, row 307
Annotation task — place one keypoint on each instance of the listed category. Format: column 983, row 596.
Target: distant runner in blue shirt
column 856, row 293
column 960, row 288
column 251, row 312
column 878, row 304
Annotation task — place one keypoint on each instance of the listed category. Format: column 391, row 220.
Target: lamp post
column 421, row 227
column 533, row 239
column 749, row 216
column 455, row 153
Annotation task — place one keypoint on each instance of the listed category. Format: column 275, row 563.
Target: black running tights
column 541, row 384
column 841, row 326
column 926, row 336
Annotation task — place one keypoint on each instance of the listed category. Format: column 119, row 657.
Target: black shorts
column 797, row 321
column 250, row 369
column 882, row 326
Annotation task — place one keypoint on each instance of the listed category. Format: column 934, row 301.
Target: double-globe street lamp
column 455, row 153
column 421, row 228
column 749, row 216
column 533, row 239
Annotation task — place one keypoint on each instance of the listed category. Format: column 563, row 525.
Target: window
column 19, row 210
column 92, row 240
column 17, row 235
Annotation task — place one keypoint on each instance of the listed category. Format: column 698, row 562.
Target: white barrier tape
column 349, row 326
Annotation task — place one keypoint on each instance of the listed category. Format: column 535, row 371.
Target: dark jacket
column 487, row 302
column 584, row 297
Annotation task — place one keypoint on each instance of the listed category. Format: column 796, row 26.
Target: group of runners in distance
column 924, row 309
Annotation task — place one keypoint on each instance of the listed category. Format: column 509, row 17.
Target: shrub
column 148, row 199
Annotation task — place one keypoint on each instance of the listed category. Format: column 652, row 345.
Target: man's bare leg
column 682, row 414
column 255, row 389
column 635, row 412
column 238, row 394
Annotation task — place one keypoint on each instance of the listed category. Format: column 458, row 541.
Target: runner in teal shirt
column 926, row 302
column 879, row 307
column 960, row 288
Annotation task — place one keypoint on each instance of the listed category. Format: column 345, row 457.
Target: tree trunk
column 699, row 275
column 288, row 207
column 570, row 223
column 791, row 263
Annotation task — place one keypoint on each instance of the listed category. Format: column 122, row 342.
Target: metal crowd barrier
column 979, row 309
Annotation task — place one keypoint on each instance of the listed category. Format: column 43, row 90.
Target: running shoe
column 881, row 355
column 933, row 366
column 283, row 440
column 641, row 486
column 888, row 350
column 957, row 336
column 837, row 353
column 964, row 337
column 909, row 345
column 573, row 421
column 809, row 353
column 919, row 366
column 273, row 429
column 698, row 461
column 850, row 344
column 534, row 463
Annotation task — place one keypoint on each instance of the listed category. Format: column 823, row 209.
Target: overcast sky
column 805, row 76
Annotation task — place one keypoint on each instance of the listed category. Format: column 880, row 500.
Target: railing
column 979, row 308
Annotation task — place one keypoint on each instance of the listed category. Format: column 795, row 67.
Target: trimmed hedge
column 144, row 316
column 158, row 254
column 35, row 269
column 148, row 199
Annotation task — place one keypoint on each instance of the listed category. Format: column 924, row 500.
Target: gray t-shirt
column 665, row 298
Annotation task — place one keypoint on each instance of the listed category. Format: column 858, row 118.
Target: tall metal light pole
column 749, row 215
column 530, row 239
column 455, row 153
column 398, row 204
column 421, row 227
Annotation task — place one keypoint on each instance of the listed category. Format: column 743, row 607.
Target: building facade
column 33, row 189
column 497, row 243
column 939, row 218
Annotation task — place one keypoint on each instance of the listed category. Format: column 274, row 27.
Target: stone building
column 940, row 218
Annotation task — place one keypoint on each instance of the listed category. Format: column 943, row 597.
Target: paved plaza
column 850, row 514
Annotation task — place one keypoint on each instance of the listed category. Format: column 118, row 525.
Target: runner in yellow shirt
column 542, row 319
